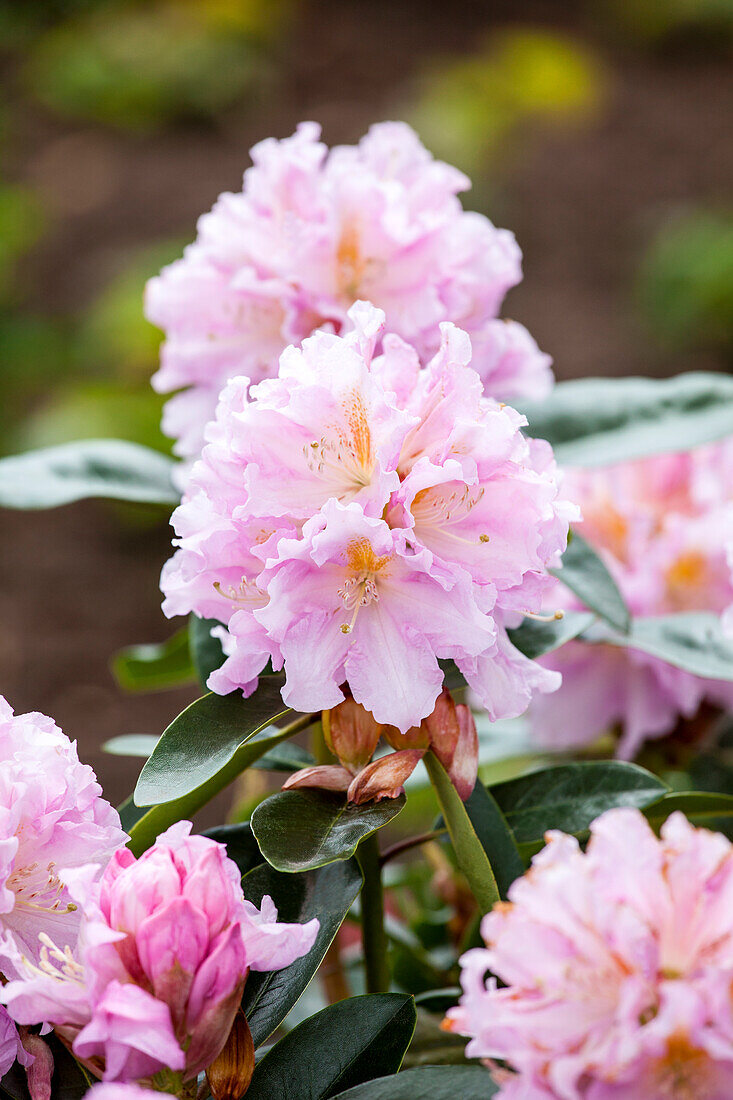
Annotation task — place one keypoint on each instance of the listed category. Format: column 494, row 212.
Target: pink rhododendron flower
column 360, row 517
column 311, row 232
column 11, row 1048
column 617, row 967
column 165, row 946
column 663, row 526
column 114, row 1090
column 52, row 819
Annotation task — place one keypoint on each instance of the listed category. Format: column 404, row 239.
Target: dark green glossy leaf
column 342, row 1046
column 439, row 1000
column 712, row 811
column 203, row 739
column 596, row 421
column 428, row 1083
column 206, row 651
column 111, row 468
column 692, row 640
column 129, row 813
column 710, row 772
column 491, row 828
column 302, row 829
column 568, row 797
column 534, row 638
column 470, row 853
column 586, row 575
column 131, row 744
column 153, row 821
column 155, row 667
column 453, row 678
column 326, row 893
column 286, row 757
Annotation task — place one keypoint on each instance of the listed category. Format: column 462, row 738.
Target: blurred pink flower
column 114, row 1090
column 11, row 1048
column 664, row 527
column 357, row 518
column 52, row 819
column 617, row 967
column 166, row 943
column 311, row 232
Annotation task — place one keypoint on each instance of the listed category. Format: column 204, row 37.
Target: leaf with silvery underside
column 109, row 468
column 586, row 575
column 598, row 421
column 691, row 640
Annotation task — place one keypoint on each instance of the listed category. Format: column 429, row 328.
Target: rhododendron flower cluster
column 53, row 820
column 310, row 233
column 617, row 967
column 359, row 517
column 664, row 527
column 165, row 946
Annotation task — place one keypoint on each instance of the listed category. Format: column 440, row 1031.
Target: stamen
column 544, row 618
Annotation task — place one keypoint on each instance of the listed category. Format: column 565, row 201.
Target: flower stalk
column 374, row 938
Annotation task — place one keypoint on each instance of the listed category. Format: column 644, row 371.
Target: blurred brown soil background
column 584, row 199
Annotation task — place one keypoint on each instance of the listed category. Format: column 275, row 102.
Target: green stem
column 372, row 917
column 403, row 846
column 470, row 853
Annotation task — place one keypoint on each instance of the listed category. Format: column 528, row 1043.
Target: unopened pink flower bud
column 158, row 990
column 384, row 778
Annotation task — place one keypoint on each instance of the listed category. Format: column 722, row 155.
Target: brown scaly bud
column 231, row 1071
column 351, row 734
column 384, row 778
column 450, row 732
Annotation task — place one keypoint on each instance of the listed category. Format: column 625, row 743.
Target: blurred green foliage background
column 109, row 104
column 598, row 130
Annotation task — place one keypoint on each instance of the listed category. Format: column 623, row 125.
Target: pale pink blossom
column 360, row 517
column 165, row 946
column 663, row 526
column 114, row 1090
column 53, row 819
column 616, row 967
column 311, row 232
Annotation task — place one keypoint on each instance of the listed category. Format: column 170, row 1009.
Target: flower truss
column 664, row 527
column 165, row 946
column 311, row 232
column 53, row 820
column 360, row 517
column 616, row 968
